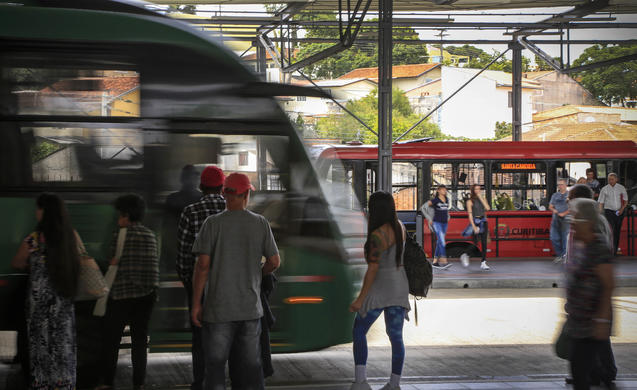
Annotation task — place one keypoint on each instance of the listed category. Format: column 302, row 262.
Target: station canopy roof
column 615, row 6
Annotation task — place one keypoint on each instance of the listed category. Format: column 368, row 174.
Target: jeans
column 136, row 313
column 615, row 222
column 440, row 229
column 198, row 361
column 222, row 337
column 484, row 229
column 394, row 319
column 591, row 359
column 559, row 235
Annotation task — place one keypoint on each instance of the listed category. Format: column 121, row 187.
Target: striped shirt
column 138, row 268
column 192, row 218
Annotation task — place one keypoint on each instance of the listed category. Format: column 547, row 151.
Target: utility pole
column 385, row 22
column 516, row 98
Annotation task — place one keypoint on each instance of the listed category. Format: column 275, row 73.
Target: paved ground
column 466, row 338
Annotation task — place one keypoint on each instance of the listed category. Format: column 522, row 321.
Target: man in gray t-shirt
column 559, row 226
column 230, row 247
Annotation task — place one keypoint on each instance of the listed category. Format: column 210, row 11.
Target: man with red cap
column 230, row 247
column 191, row 220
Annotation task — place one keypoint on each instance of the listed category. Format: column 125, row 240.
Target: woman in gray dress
column 385, row 288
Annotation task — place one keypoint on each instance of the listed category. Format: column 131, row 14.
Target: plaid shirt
column 138, row 270
column 192, row 218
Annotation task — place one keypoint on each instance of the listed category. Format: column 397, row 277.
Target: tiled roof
column 596, row 131
column 626, row 114
column 502, row 78
column 114, row 86
column 536, row 75
column 332, row 83
column 398, row 71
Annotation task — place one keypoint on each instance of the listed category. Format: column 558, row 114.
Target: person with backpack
column 385, row 289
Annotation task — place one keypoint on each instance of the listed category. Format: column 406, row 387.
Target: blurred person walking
column 133, row 293
column 52, row 257
column 440, row 205
column 385, row 289
column 230, row 247
column 190, row 222
column 613, row 200
column 477, row 208
column 559, row 225
column 589, row 287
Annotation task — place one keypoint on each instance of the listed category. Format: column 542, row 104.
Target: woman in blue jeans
column 385, row 289
column 440, row 205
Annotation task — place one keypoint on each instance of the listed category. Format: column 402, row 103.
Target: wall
column 560, row 89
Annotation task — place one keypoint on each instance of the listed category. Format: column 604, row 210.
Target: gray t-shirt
column 560, row 201
column 236, row 242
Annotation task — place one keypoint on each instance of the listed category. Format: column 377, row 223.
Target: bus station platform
column 521, row 273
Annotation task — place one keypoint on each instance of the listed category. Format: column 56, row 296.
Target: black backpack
column 418, row 269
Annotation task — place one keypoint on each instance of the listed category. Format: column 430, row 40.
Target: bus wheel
column 455, row 249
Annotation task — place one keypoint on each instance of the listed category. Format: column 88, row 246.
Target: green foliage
column 503, row 129
column 346, row 128
column 612, row 83
column 43, row 149
column 357, row 56
column 480, row 58
column 542, row 65
column 184, row 9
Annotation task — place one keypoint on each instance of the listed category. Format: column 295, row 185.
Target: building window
column 301, row 98
column 243, row 159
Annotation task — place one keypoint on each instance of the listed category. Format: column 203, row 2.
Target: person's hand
column 114, row 261
column 196, row 315
column 355, row 306
column 601, row 330
column 476, row 229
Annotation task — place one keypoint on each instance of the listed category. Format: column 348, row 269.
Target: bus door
column 628, row 178
column 519, row 222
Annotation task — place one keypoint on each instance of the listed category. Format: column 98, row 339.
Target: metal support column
column 261, row 60
column 385, row 10
column 516, row 99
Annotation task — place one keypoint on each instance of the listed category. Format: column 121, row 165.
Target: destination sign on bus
column 518, row 166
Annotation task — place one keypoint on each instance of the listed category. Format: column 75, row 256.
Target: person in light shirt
column 613, row 199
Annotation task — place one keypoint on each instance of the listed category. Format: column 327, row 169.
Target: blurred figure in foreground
column 52, row 257
column 385, row 289
column 590, row 283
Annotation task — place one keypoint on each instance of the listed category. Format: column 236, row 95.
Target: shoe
column 388, row 386
column 484, row 266
column 558, row 259
column 568, row 380
column 464, row 259
column 437, row 265
column 360, row 386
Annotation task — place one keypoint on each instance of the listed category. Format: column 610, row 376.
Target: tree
column 612, row 83
column 357, row 56
column 542, row 65
column 503, row 129
column 345, row 127
column 479, row 58
column 184, row 9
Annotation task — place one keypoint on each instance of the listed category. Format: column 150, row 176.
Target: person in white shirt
column 613, row 199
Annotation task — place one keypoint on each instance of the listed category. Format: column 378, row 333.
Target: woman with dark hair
column 52, row 257
column 385, row 288
column 477, row 208
column 440, row 206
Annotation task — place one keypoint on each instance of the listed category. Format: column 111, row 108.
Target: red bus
column 518, row 179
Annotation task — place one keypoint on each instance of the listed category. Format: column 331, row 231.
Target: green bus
column 114, row 98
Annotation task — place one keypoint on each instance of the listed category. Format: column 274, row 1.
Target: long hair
column 62, row 254
column 382, row 210
column 473, row 195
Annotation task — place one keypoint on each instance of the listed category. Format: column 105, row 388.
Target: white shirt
column 610, row 196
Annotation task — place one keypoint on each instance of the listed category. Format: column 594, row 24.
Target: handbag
column 563, row 344
column 91, row 284
column 100, row 305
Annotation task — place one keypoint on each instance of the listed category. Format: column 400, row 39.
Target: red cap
column 212, row 177
column 237, row 183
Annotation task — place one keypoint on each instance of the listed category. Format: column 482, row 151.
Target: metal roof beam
column 541, row 53
column 459, row 41
column 600, row 64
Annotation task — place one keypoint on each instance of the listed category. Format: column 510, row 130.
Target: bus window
column 519, row 186
column 468, row 175
column 405, row 185
column 571, row 171
column 75, row 92
column 339, row 178
column 440, row 174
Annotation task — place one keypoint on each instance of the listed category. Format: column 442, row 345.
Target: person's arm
column 623, row 197
column 271, row 264
column 602, row 318
column 373, row 257
column 551, row 207
column 601, row 199
column 21, row 259
column 202, row 268
column 484, row 202
column 185, row 239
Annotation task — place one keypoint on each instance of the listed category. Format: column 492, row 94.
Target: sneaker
column 484, row 266
column 360, row 386
column 464, row 259
column 388, row 386
column 558, row 259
